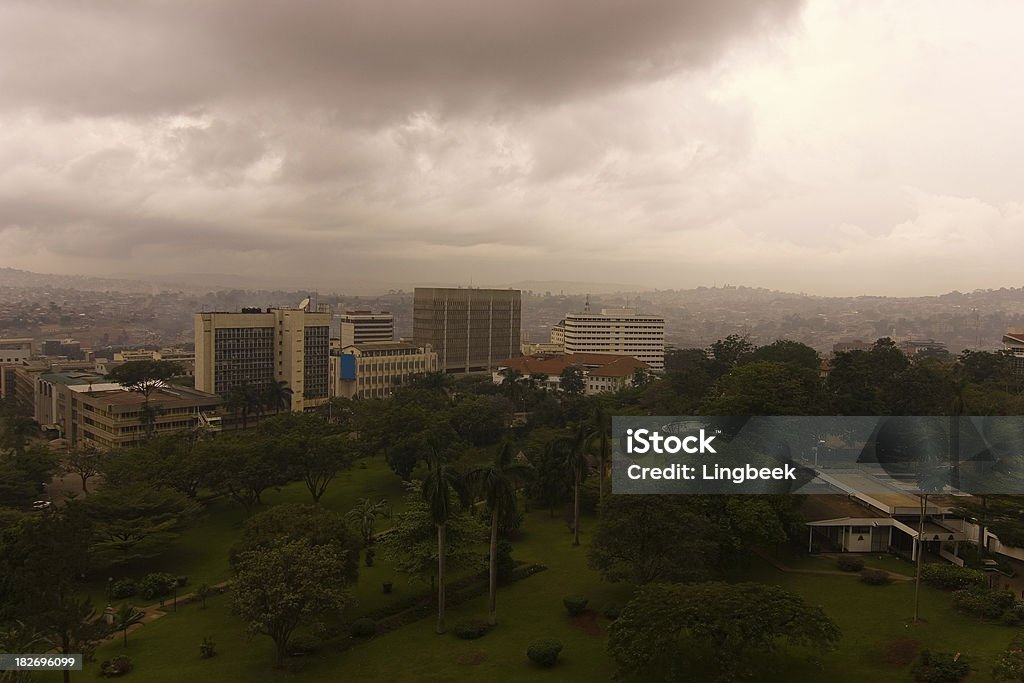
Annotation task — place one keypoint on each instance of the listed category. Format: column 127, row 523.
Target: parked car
column 41, row 505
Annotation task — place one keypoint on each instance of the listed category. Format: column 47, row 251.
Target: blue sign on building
column 348, row 366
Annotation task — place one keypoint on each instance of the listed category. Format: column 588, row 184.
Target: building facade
column 602, row 372
column 359, row 327
column 109, row 416
column 256, row 348
column 15, row 351
column 375, row 369
column 471, row 329
column 1013, row 343
column 621, row 331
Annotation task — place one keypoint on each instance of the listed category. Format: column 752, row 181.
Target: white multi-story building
column 359, row 327
column 622, row 331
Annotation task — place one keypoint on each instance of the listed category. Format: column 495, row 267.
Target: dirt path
column 156, row 610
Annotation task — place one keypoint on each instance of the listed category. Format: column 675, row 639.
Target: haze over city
column 836, row 148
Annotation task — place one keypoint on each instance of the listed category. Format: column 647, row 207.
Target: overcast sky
column 831, row 147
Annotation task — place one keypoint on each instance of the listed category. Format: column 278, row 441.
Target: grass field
column 877, row 645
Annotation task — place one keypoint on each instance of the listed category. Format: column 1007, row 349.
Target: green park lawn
column 877, row 636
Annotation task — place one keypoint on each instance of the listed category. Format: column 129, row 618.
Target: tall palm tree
column 602, row 434
column 576, row 464
column 440, row 487
column 126, row 617
column 278, row 396
column 364, row 516
column 496, row 483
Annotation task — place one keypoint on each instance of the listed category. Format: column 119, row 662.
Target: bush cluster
column 123, row 588
column 940, row 667
column 544, row 652
column 951, row 577
column 989, row 604
column 850, row 563
column 612, row 612
column 363, row 628
column 207, row 648
column 471, row 630
column 156, row 585
column 875, row 577
column 118, row 666
column 575, row 604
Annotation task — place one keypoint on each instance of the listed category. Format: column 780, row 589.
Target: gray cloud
column 360, row 59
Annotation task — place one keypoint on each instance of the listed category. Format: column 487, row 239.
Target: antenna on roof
column 586, row 304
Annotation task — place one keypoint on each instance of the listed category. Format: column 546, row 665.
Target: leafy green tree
column 726, row 353
column 280, row 587
column 41, row 559
column 571, row 381
column 666, row 631
column 550, row 487
column 144, row 376
column 243, row 401
column 85, row 462
column 291, row 522
column 171, row 460
column 496, row 484
column 131, row 522
column 244, row 468
column 766, row 388
column 786, row 351
column 481, row 420
column 24, row 475
column 17, row 432
column 642, row 539
column 412, row 542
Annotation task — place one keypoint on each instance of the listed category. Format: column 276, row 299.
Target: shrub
column 612, row 612
column 156, row 585
column 850, row 563
column 940, row 667
column 123, row 588
column 471, row 630
column 951, row 577
column 984, row 603
column 875, row 577
column 303, row 645
column 1009, row 666
column 118, row 666
column 363, row 628
column 207, row 648
column 544, row 652
column 182, row 581
column 575, row 604
column 1013, row 616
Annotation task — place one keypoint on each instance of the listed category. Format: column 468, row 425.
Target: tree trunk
column 492, row 615
column 440, row 576
column 920, row 559
column 600, row 478
column 576, row 512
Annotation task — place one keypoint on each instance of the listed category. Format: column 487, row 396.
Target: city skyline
column 824, row 147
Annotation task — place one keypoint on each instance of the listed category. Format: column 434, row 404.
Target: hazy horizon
column 828, row 147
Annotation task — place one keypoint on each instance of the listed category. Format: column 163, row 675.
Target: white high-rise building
column 614, row 330
column 359, row 327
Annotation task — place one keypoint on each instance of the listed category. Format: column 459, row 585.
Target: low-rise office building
column 375, row 369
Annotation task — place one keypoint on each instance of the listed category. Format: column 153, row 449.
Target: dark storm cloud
column 366, row 59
